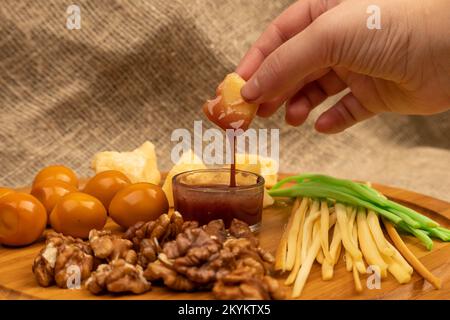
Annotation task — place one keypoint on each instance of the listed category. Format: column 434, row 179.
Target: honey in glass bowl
column 205, row 195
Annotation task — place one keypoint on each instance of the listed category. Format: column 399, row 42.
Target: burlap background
column 138, row 69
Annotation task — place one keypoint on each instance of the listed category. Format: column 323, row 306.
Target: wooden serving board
column 17, row 281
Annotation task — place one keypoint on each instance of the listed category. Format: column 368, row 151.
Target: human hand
column 317, row 48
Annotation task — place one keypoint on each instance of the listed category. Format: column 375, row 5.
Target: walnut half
column 71, row 261
column 111, row 247
column 171, row 279
column 118, row 276
column 44, row 265
column 56, row 261
column 241, row 285
column 148, row 237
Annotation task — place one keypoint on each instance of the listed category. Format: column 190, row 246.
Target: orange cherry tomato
column 78, row 213
column 138, row 202
column 56, row 173
column 105, row 185
column 49, row 192
column 22, row 219
column 5, row 191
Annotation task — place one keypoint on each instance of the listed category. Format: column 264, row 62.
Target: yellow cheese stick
column 328, row 264
column 397, row 270
column 357, row 280
column 327, row 270
column 292, row 276
column 351, row 219
column 320, row 257
column 377, row 233
column 367, row 244
column 292, row 249
column 280, row 255
column 359, row 264
column 399, row 258
column 410, row 257
column 306, row 268
column 298, row 259
column 346, row 236
column 348, row 261
column 351, row 212
column 318, row 233
column 336, row 243
column 307, row 228
column 306, row 264
column 324, row 227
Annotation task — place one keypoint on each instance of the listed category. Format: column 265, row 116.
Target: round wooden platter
column 17, row 280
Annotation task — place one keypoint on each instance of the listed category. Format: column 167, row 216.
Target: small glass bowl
column 205, row 195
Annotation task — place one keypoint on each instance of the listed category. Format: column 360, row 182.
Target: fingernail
column 327, row 126
column 323, row 124
column 251, row 90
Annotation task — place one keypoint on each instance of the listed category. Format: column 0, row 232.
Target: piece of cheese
column 267, row 200
column 188, row 161
column 264, row 166
column 139, row 165
column 228, row 109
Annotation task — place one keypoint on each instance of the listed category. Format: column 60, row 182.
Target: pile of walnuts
column 179, row 255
